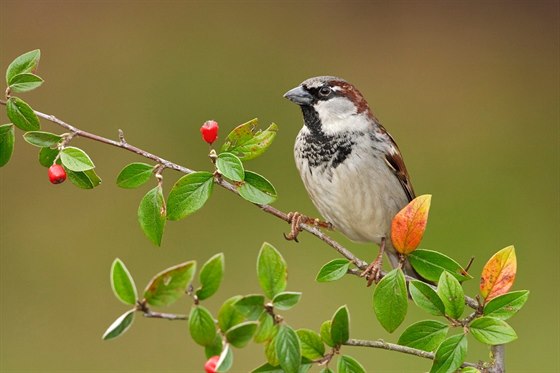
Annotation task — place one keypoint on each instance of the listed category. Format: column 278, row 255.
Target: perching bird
column 350, row 165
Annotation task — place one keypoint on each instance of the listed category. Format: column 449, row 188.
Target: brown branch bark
column 498, row 359
column 398, row 348
column 163, row 315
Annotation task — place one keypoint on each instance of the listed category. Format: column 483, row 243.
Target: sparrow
column 350, row 165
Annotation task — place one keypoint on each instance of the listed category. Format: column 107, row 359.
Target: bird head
column 331, row 104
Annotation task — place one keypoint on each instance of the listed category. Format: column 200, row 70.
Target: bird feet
column 295, row 219
column 373, row 271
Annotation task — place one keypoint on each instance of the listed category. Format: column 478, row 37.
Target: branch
column 398, row 348
column 360, row 264
column 142, row 306
column 166, row 316
column 226, row 185
column 498, row 359
column 498, row 351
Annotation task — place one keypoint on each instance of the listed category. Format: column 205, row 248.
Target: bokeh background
column 470, row 90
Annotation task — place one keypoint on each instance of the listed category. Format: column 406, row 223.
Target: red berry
column 57, row 174
column 209, row 131
column 210, row 366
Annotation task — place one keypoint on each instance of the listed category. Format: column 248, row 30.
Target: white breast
column 359, row 197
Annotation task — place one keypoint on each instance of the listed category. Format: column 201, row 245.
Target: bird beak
column 299, row 95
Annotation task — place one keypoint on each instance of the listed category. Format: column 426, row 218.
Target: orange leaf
column 498, row 274
column 409, row 224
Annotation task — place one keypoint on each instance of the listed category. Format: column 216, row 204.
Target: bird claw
column 295, row 219
column 373, row 272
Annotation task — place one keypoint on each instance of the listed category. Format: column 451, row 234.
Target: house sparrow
column 350, row 165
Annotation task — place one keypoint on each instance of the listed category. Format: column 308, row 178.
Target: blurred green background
column 470, row 90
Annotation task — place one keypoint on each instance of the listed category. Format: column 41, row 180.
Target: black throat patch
column 319, row 149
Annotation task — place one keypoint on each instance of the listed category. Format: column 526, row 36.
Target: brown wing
column 395, row 160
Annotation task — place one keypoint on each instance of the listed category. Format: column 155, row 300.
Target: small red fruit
column 57, row 174
column 210, row 366
column 209, row 131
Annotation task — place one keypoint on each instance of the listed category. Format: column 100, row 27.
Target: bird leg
column 373, row 272
column 295, row 219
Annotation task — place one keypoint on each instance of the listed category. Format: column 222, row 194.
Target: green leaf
column 390, row 300
column 424, row 335
column 450, row 354
column 75, row 159
column 270, row 349
column 230, row 166
column 430, row 264
column 201, row 326
column 84, row 179
column 452, row 295
column 215, row 348
column 247, row 143
column 93, row 178
column 325, row 332
column 134, row 175
column 229, row 315
column 326, row 370
column 7, row 139
column 79, row 179
column 226, row 360
column 333, row 270
column 505, row 306
column 151, row 215
column 25, row 82
column 240, row 134
column 210, row 276
column 122, row 283
column 268, row 368
column 239, row 335
column 120, row 325
column 170, row 284
column 271, row 271
column 426, row 298
column 47, row 156
column 26, row 63
column 492, row 331
column 251, row 306
column 189, row 194
column 41, row 139
column 257, row 189
column 22, row 115
column 347, row 364
column 469, row 370
column 266, row 330
column 340, row 326
column 312, row 346
column 286, row 300
column 288, row 349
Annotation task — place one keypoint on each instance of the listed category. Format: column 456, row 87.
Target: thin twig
column 398, row 348
column 166, row 316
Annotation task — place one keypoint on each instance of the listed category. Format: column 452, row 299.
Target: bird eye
column 325, row 91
